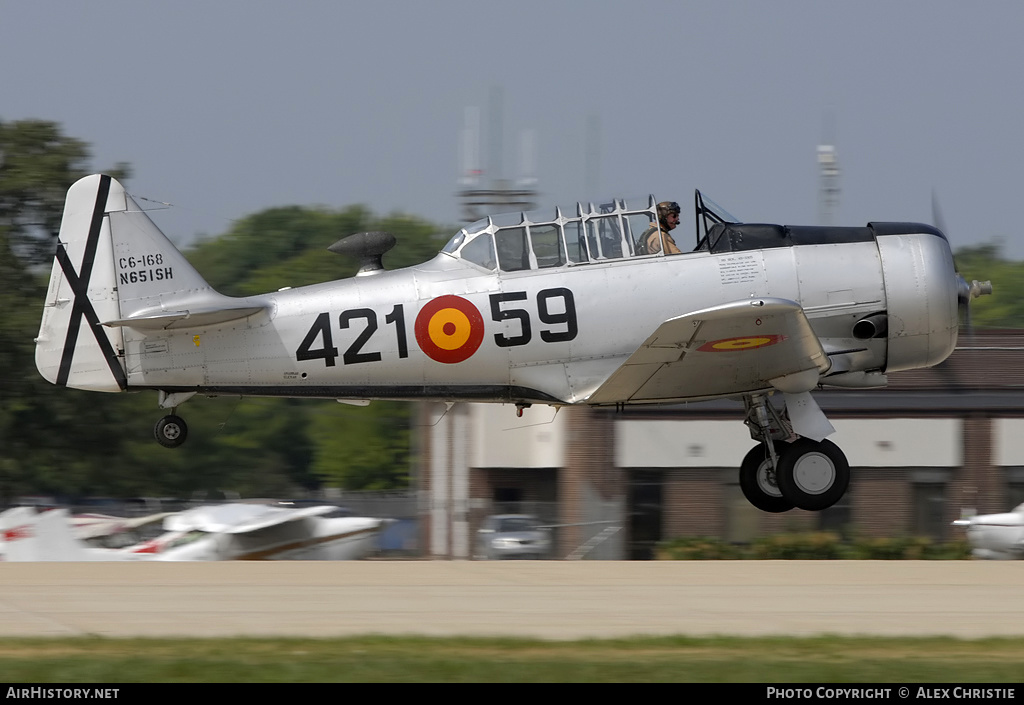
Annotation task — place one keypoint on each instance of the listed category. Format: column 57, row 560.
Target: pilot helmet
column 666, row 207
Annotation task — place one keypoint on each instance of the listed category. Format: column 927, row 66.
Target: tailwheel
column 813, row 475
column 757, row 480
column 170, row 431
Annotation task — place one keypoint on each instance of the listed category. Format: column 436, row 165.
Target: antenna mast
column 828, row 179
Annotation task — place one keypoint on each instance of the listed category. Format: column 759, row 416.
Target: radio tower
column 491, row 192
column 828, row 179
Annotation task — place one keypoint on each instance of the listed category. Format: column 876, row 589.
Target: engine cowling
column 921, row 291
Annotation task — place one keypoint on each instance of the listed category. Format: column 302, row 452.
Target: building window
column 929, row 510
column 645, row 491
column 742, row 519
column 1014, row 488
column 838, row 518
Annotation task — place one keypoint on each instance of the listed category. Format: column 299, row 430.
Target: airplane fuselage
column 535, row 337
column 315, row 538
column 997, row 536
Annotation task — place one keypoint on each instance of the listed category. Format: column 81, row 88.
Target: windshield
column 515, row 524
column 709, row 214
column 454, row 244
column 723, row 214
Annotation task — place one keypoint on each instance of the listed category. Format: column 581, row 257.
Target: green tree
column 362, row 448
column 288, row 247
column 50, row 439
column 37, row 166
column 250, row 446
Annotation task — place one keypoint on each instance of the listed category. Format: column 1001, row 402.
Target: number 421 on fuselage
column 556, row 308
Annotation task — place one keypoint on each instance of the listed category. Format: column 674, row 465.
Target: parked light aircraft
column 224, row 532
column 996, row 536
column 559, row 308
column 105, row 530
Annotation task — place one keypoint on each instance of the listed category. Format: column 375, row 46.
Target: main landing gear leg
column 758, row 469
column 785, row 470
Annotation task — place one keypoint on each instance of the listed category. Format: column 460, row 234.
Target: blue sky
column 225, row 108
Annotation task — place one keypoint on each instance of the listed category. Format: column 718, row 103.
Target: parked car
column 505, row 536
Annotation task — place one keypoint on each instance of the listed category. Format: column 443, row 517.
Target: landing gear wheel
column 813, row 475
column 757, row 480
column 170, row 431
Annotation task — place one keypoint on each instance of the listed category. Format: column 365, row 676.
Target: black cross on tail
column 82, row 306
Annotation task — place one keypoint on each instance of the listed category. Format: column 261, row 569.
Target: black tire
column 813, row 475
column 170, row 431
column 757, row 480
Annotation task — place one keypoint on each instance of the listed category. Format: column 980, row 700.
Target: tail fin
column 40, row 536
column 113, row 267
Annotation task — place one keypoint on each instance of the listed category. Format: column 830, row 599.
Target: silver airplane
column 223, row 532
column 561, row 308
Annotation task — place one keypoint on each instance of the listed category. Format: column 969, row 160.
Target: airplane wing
column 238, row 518
column 725, row 350
column 276, row 517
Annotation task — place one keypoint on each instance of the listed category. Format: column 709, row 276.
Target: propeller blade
column 965, row 292
column 937, row 220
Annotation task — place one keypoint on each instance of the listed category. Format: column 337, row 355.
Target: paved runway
column 544, row 599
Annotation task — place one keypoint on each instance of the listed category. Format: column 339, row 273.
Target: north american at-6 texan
column 566, row 307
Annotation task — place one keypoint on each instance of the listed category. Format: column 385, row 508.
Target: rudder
column 30, row 535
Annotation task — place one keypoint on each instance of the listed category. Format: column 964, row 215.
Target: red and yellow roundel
column 746, row 342
column 449, row 329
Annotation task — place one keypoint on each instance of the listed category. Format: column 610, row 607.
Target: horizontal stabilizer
column 192, row 318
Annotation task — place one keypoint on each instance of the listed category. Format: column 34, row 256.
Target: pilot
column 668, row 219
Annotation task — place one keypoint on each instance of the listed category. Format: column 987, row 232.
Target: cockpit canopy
column 584, row 234
column 540, row 239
